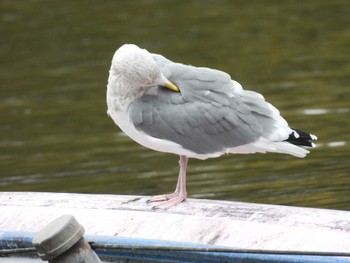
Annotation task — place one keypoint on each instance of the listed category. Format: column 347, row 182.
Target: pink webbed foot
column 180, row 193
column 167, row 200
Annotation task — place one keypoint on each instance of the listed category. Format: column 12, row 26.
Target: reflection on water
column 55, row 135
column 324, row 111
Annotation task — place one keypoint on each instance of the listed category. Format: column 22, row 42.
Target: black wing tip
column 301, row 138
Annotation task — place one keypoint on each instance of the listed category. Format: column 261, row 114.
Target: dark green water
column 54, row 61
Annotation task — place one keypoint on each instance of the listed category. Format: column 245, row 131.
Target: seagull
column 194, row 112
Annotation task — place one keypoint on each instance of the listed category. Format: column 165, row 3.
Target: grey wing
column 202, row 118
column 252, row 106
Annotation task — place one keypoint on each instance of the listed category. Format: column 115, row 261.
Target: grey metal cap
column 57, row 237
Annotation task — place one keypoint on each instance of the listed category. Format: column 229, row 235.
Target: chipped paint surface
column 234, row 224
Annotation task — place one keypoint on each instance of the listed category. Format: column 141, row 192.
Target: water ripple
column 324, row 111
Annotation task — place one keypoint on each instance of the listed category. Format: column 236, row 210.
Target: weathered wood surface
column 234, row 224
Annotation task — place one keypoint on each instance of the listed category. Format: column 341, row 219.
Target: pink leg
column 180, row 193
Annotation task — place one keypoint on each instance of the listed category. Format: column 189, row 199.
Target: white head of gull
column 193, row 112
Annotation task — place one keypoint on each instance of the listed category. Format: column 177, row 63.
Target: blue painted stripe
column 113, row 248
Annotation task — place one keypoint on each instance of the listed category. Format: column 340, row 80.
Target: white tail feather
column 263, row 145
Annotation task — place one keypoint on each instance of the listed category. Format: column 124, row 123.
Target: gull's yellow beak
column 171, row 86
column 168, row 84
